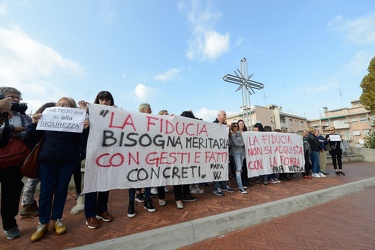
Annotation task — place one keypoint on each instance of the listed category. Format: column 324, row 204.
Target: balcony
column 342, row 125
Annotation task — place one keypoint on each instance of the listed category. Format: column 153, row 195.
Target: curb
column 187, row 233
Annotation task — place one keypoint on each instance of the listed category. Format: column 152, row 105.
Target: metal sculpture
column 247, row 86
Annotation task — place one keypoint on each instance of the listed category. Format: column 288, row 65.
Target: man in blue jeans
column 220, row 186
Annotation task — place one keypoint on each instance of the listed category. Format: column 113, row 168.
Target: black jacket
column 57, row 147
column 314, row 142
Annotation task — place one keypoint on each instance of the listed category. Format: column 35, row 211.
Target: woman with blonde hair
column 334, row 142
column 57, row 160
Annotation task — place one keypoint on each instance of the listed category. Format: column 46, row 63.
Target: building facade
column 352, row 123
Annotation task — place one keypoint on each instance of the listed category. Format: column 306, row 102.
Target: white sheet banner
column 271, row 152
column 132, row 150
column 62, row 119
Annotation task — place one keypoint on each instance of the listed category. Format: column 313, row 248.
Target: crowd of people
column 61, row 155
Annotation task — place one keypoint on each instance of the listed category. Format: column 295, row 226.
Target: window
column 356, row 132
column 363, row 119
column 365, row 131
column 354, row 120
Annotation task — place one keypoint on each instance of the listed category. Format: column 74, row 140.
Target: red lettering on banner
column 216, row 156
column 115, row 160
column 276, row 139
column 167, row 158
column 127, row 122
column 167, row 127
column 255, row 165
column 253, row 140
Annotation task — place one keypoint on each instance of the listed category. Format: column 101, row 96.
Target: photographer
column 16, row 122
column 5, row 105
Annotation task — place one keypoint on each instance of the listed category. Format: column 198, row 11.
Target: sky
column 309, row 54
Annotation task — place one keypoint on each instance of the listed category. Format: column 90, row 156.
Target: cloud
column 239, row 41
column 206, row 44
column 358, row 64
column 34, row 68
column 326, row 87
column 143, row 93
column 206, row 114
column 359, row 31
column 168, row 75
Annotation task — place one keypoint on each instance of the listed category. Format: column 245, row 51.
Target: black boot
column 131, row 210
column 148, row 205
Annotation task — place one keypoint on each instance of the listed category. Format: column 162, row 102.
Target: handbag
column 14, row 153
column 29, row 167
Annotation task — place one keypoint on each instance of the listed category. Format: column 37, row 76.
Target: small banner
column 62, row 119
column 271, row 152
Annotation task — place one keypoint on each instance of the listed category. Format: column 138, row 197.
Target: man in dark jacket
column 220, row 186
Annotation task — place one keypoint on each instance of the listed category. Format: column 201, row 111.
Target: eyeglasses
column 235, row 126
column 15, row 97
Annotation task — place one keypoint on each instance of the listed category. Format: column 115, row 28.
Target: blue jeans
column 238, row 160
column 96, row 203
column 220, row 184
column 314, row 156
column 54, row 183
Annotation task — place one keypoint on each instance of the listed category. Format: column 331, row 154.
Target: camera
column 18, row 107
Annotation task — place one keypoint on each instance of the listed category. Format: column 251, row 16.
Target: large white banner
column 132, row 150
column 271, row 152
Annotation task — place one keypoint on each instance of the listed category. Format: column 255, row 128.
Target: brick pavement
column 208, row 204
column 345, row 223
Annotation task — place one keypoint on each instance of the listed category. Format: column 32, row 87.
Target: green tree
column 370, row 140
column 368, row 88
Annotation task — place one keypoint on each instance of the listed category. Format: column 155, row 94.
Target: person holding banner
column 182, row 192
column 258, row 127
column 57, row 160
column 220, row 186
column 96, row 203
column 143, row 108
column 334, row 141
column 238, row 152
column 245, row 180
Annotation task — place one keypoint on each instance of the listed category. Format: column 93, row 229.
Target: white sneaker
column 242, row 191
column 322, row 175
column 179, row 204
column 154, row 190
column 316, row 175
column 197, row 191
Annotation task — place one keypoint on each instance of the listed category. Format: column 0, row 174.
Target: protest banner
column 271, row 152
column 133, row 150
column 62, row 119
